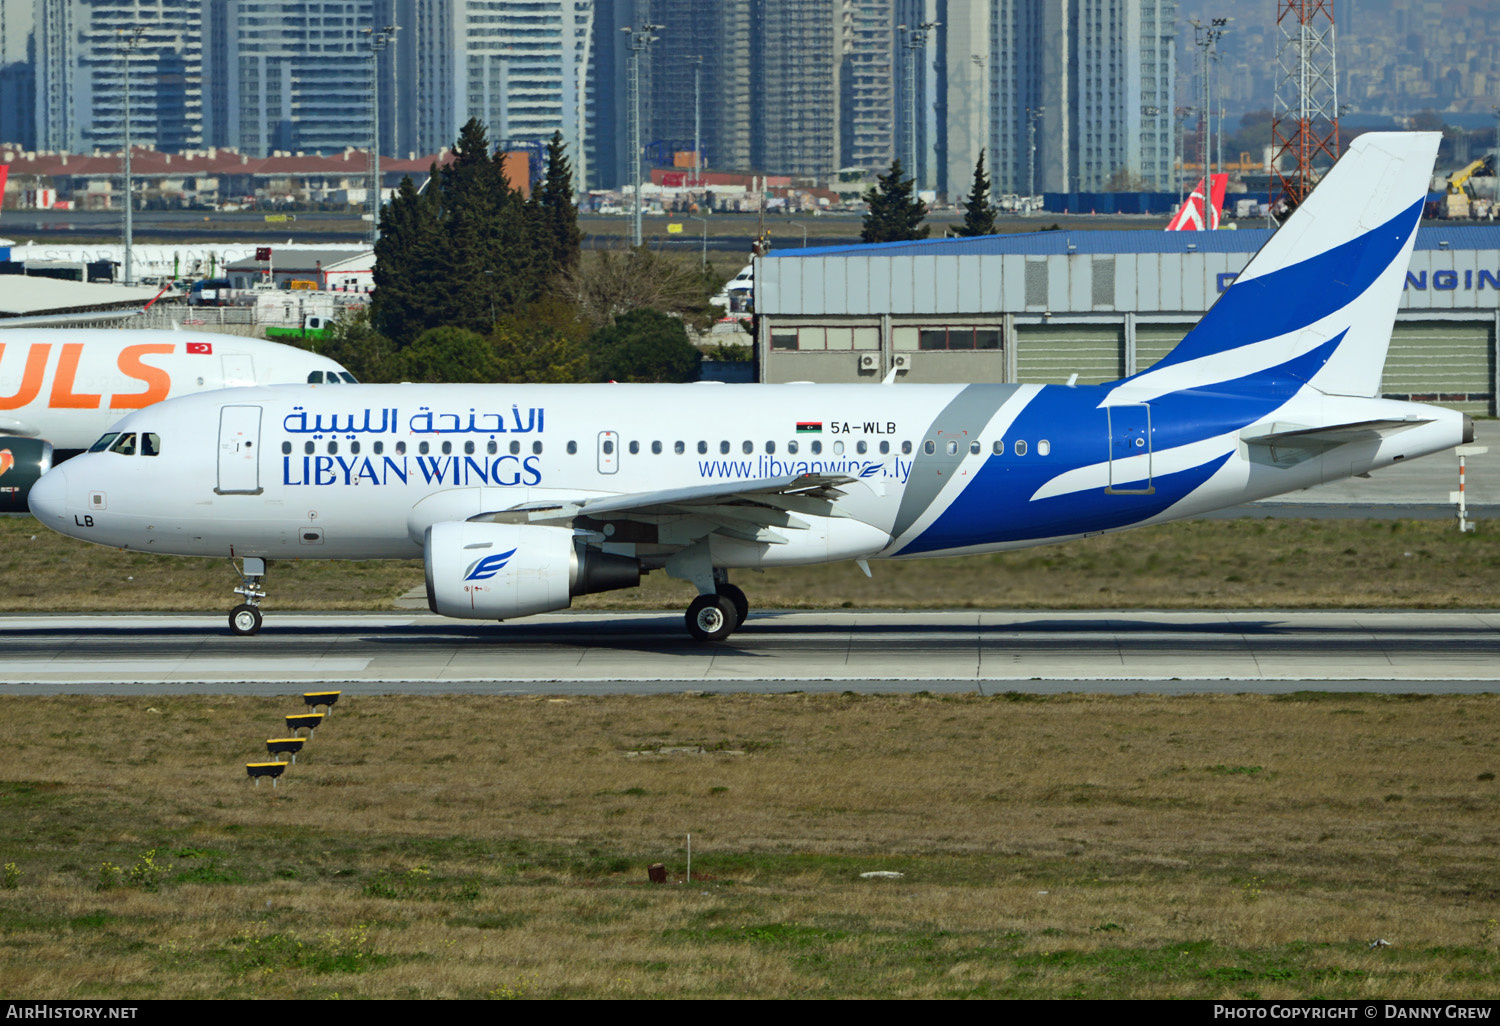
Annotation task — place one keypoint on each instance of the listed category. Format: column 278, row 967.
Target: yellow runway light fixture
column 313, row 699
column 278, row 745
column 256, row 770
column 309, row 720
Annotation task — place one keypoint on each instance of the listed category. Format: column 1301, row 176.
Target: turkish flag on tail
column 203, row 348
column 1192, row 216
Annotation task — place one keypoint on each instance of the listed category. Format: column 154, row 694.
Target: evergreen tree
column 644, row 345
column 894, row 213
column 979, row 216
column 407, row 297
column 559, row 212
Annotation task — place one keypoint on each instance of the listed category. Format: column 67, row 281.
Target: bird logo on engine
column 489, row 566
column 6, row 461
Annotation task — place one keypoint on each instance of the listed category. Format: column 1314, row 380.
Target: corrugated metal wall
column 1050, row 354
column 1451, row 363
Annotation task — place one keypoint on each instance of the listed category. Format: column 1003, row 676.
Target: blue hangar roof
column 1245, row 240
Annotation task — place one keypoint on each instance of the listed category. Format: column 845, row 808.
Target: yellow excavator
column 1458, row 203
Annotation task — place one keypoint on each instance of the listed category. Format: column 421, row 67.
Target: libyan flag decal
column 809, row 426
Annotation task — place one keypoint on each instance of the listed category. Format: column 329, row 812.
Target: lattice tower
column 1305, row 115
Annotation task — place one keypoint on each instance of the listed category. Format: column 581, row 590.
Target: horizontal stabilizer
column 1288, row 444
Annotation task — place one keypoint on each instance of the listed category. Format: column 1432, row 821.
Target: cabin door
column 1130, row 450
column 609, row 452
column 239, row 450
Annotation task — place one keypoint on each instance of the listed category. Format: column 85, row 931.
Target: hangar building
column 1102, row 304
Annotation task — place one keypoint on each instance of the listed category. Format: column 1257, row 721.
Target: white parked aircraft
column 519, row 497
column 61, row 387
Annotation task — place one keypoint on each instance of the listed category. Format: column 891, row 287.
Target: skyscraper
column 867, row 101
column 84, row 48
column 795, row 117
column 1090, row 72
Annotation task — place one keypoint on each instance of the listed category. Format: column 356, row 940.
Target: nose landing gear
column 244, row 619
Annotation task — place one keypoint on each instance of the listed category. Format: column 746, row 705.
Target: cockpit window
column 125, row 444
column 315, row 378
column 349, row 379
column 150, row 444
column 103, row 443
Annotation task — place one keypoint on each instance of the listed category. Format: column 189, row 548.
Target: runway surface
column 581, row 653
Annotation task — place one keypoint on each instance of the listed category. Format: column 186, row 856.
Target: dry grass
column 472, row 847
column 1216, row 564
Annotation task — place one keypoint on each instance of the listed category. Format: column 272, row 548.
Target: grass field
column 1214, row 846
column 1213, row 564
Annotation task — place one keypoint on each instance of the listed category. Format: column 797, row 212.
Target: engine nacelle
column 488, row 571
column 23, row 461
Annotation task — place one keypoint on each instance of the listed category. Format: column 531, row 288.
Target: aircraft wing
column 1287, row 444
column 740, row 509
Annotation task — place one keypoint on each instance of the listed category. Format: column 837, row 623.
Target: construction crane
column 1456, row 204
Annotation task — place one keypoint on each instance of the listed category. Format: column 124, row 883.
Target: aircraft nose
column 49, row 497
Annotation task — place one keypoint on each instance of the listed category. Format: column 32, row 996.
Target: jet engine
column 488, row 571
column 22, row 463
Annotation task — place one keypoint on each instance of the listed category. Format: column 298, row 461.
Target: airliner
column 519, row 497
column 61, row 387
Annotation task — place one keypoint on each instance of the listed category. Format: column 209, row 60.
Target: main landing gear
column 244, row 619
column 715, row 616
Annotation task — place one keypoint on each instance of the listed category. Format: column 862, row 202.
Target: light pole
column 1207, row 37
column 916, row 39
column 799, row 224
column 704, row 221
column 640, row 41
column 1033, row 115
column 1155, row 114
column 378, row 42
column 1179, row 145
column 697, row 121
column 129, row 44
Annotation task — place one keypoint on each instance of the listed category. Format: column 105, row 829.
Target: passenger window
column 770, row 448
column 150, row 444
column 400, row 448
column 885, row 448
column 309, row 448
column 702, row 448
column 1020, row 448
column 817, row 448
column 906, row 448
column 791, row 447
column 286, row 448
column 354, row 448
column 572, row 448
column 838, row 448
column 103, row 442
column 635, row 448
column 469, row 448
column 952, row 447
column 379, row 448
column 679, row 448
column 1044, row 448
column 125, row 444
column 333, row 447
column 999, row 447
column 656, row 448
column 747, row 447
column 929, row 447
column 536, row 447
column 422, row 448
column 493, row 446
column 724, row 448
column 860, row 447
column 609, row 447
column 515, row 448
column 973, row 448
column 447, row 448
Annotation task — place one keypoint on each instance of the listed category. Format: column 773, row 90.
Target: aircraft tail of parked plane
column 519, row 497
column 1202, row 209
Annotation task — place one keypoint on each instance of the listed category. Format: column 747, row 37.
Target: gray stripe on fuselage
column 963, row 418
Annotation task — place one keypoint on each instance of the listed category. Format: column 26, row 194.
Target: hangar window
column 784, row 340
column 103, row 443
column 818, row 338
column 953, row 336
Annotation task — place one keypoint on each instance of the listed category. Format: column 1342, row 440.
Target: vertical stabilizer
column 1330, row 280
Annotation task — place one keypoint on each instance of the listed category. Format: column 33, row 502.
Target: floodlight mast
column 640, row 42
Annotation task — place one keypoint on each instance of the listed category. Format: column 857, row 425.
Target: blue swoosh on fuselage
column 997, row 505
column 1296, row 296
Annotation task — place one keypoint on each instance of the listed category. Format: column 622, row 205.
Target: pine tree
column 979, row 216
column 894, row 213
column 560, row 214
column 405, row 302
